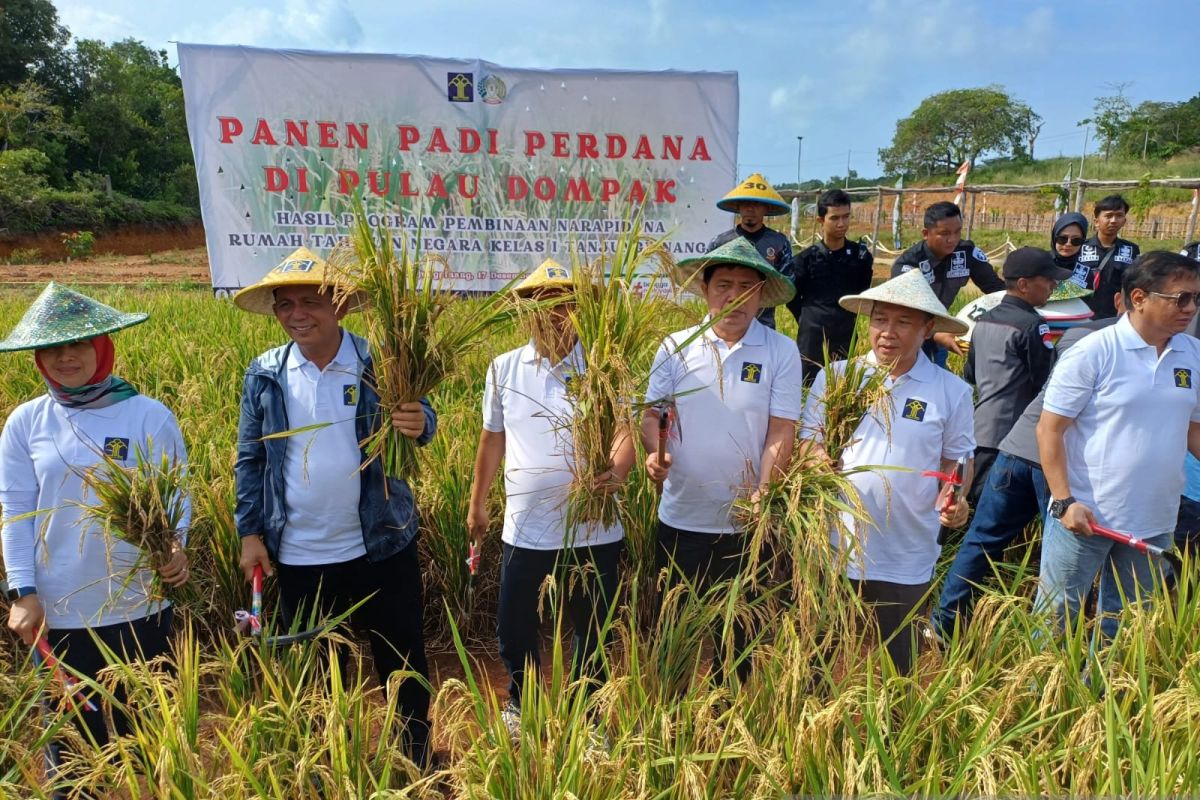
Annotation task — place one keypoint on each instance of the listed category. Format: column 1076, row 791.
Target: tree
column 960, row 125
column 1110, row 115
column 130, row 103
column 28, row 118
column 31, row 40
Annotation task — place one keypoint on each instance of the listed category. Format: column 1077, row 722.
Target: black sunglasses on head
column 1074, row 241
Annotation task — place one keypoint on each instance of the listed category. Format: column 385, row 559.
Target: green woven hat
column 737, row 252
column 1068, row 290
column 61, row 316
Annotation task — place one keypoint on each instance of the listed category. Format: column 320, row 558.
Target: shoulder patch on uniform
column 1047, row 339
column 926, row 270
column 980, row 255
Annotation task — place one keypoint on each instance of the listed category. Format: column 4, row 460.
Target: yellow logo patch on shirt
column 116, row 448
column 751, row 372
column 914, row 409
column 350, row 394
column 1183, row 378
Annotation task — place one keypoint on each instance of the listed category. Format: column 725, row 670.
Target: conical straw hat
column 61, row 316
column 755, row 189
column 301, row 268
column 549, row 275
column 738, row 251
column 911, row 290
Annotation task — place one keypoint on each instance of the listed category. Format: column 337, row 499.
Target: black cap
column 1033, row 262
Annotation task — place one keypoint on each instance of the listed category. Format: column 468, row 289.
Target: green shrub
column 79, row 244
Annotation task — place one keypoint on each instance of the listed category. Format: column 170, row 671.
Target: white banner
column 493, row 168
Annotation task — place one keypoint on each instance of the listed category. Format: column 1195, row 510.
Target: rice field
column 997, row 712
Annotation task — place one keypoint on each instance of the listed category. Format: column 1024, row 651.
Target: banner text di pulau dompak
column 493, row 168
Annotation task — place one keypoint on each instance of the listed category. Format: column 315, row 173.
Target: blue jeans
column 1070, row 564
column 1014, row 494
column 1187, row 528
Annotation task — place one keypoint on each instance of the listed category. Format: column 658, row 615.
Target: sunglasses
column 1181, row 299
column 1074, row 241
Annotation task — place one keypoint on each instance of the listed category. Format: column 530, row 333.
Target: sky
column 839, row 73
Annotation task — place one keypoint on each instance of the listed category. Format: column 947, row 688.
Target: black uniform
column 1192, row 251
column 1105, row 266
column 1008, row 363
column 771, row 245
column 823, row 276
column 950, row 274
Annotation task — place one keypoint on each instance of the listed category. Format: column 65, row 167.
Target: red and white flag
column 961, row 183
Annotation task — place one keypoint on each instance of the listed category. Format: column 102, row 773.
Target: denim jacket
column 388, row 515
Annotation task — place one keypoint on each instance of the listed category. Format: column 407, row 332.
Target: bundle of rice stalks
column 855, row 390
column 143, row 505
column 415, row 341
column 618, row 326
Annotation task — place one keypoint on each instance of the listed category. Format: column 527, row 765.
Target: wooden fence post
column 971, row 218
column 878, row 212
column 1189, row 235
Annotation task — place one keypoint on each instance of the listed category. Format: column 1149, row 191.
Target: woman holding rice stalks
column 925, row 427
column 735, row 389
column 529, row 406
column 69, row 577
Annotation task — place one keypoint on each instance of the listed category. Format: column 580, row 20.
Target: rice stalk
column 142, row 505
column 618, row 330
column 415, row 343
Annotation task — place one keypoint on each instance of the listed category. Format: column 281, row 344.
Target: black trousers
column 587, row 582
column 147, row 638
column 705, row 559
column 892, row 604
column 392, row 621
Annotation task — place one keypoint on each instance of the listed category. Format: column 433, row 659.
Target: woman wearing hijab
column 1066, row 239
column 69, row 579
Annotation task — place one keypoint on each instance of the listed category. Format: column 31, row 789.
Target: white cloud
column 659, row 20
column 86, row 22
column 321, row 24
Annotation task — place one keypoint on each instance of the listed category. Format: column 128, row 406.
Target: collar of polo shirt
column 755, row 335
column 1130, row 339
column 530, row 355
column 346, row 355
column 922, row 369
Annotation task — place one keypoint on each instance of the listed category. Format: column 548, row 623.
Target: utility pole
column 847, row 169
column 1079, row 180
column 799, row 151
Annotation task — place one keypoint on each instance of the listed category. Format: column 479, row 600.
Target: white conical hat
column 911, row 290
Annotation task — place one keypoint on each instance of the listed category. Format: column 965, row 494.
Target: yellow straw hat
column 301, row 268
column 754, row 189
column 549, row 275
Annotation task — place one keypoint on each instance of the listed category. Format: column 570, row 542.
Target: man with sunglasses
column 1122, row 409
column 1106, row 255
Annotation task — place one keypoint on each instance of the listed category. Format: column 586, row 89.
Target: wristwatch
column 1059, row 507
column 13, row 595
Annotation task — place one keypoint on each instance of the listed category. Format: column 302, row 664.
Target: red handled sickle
column 955, row 479
column 42, row 647
column 252, row 619
column 1171, row 556
column 666, row 414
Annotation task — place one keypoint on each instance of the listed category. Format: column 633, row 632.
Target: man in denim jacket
column 333, row 529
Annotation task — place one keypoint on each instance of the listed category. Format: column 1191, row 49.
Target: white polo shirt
column 525, row 398
column 321, row 467
column 724, row 397
column 1132, row 409
column 932, row 418
column 83, row 576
